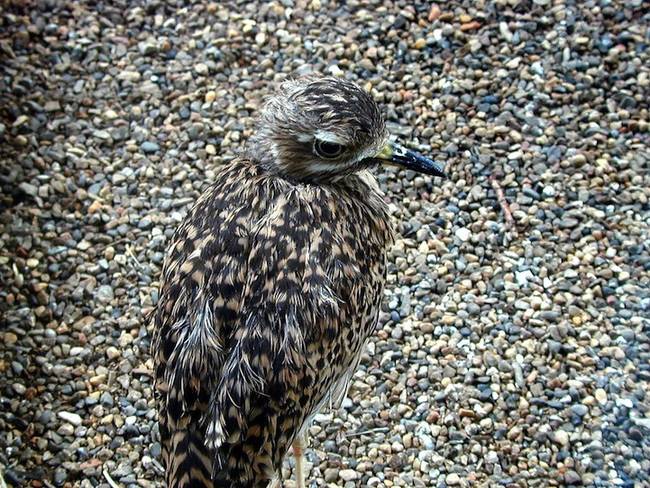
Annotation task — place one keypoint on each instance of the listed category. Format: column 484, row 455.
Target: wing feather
column 261, row 321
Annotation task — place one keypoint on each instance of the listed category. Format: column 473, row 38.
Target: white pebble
column 348, row 474
column 452, row 479
column 463, row 234
column 560, row 437
column 71, row 418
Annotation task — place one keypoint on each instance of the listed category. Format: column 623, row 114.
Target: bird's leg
column 299, row 455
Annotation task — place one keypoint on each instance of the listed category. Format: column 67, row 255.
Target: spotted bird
column 272, row 285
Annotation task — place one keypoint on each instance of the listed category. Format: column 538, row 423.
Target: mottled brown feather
column 269, row 292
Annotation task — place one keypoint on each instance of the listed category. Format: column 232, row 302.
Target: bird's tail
column 188, row 460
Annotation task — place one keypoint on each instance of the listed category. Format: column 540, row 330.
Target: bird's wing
column 311, row 282
column 268, row 353
column 202, row 281
column 263, row 307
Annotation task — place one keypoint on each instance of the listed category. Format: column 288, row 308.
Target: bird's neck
column 259, row 150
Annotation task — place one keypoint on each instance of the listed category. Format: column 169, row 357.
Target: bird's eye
column 327, row 149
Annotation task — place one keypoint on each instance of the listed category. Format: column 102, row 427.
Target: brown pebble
column 470, row 26
column 466, row 412
column 434, row 13
column 10, row 338
column 420, row 43
column 96, row 206
column 433, row 417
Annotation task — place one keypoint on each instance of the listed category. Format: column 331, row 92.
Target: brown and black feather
column 269, row 292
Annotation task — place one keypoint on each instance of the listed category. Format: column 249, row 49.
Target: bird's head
column 316, row 129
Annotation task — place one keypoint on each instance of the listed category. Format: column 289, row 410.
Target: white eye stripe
column 321, row 135
column 323, row 167
column 304, row 137
column 327, row 136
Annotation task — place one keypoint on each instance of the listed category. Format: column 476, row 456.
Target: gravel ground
column 513, row 348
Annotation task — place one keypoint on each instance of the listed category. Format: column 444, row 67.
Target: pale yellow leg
column 275, row 482
column 299, row 455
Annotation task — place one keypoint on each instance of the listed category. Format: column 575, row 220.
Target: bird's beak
column 393, row 153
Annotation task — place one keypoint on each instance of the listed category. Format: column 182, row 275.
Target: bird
column 272, row 284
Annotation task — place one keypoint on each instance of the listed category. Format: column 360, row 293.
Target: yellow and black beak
column 393, row 153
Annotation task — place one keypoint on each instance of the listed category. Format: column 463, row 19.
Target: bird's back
column 269, row 291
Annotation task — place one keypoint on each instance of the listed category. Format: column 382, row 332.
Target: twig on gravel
column 474, row 156
column 131, row 254
column 370, row 431
column 502, row 200
column 114, row 243
column 110, row 480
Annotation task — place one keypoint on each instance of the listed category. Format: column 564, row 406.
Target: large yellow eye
column 327, row 150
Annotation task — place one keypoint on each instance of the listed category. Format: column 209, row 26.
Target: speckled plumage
column 270, row 289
